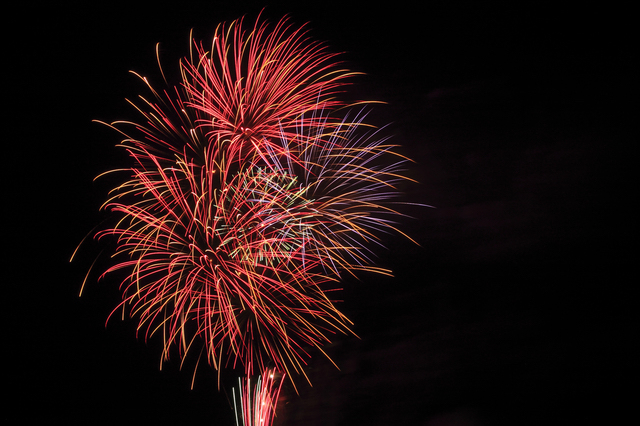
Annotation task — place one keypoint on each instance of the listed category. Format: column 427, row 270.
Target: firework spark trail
column 256, row 406
column 249, row 197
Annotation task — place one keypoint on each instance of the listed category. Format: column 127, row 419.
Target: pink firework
column 248, row 198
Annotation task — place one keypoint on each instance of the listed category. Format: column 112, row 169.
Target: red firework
column 248, row 198
column 254, row 85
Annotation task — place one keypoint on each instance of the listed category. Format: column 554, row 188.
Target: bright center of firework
column 247, row 132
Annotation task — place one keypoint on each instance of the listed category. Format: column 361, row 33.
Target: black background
column 516, row 307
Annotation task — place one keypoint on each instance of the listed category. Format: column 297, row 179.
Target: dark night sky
column 515, row 308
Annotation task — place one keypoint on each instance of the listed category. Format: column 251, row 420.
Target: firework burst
column 248, row 198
